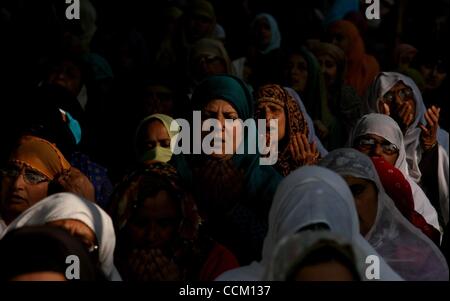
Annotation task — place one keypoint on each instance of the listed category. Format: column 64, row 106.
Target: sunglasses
column 367, row 144
column 404, row 94
column 30, row 175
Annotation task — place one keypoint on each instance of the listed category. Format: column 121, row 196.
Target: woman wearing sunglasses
column 34, row 170
column 426, row 144
column 378, row 135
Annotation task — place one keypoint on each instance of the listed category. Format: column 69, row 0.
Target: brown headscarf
column 128, row 193
column 361, row 67
column 41, row 155
column 295, row 122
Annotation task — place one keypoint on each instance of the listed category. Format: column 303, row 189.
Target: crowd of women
column 88, row 167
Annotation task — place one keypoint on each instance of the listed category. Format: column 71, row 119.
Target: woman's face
column 263, row 33
column 325, row 271
column 21, row 188
column 205, row 65
column 270, row 111
column 338, row 38
column 156, row 223
column 152, row 135
column 433, row 75
column 221, row 110
column 397, row 97
column 376, row 146
column 329, row 68
column 296, row 72
column 366, row 201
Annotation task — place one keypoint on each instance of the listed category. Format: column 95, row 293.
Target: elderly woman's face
column 329, row 68
column 221, row 110
column 366, row 201
column 156, row 223
column 296, row 72
column 270, row 111
column 376, row 146
column 21, row 188
column 400, row 99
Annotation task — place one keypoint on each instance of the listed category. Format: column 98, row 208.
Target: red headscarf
column 361, row 67
column 399, row 190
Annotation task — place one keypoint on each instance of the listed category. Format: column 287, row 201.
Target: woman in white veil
column 307, row 197
column 405, row 248
column 67, row 206
column 385, row 127
column 384, row 82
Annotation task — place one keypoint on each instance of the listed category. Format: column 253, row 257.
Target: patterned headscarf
column 127, row 194
column 295, row 122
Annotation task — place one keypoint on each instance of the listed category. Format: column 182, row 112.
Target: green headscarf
column 261, row 180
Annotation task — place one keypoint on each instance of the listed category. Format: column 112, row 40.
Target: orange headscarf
column 40, row 155
column 361, row 67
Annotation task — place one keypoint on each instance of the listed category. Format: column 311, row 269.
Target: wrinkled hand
column 404, row 117
column 429, row 132
column 76, row 182
column 303, row 152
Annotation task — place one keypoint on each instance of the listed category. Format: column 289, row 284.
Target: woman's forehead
column 215, row 104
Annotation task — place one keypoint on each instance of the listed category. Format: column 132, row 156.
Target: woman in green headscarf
column 234, row 191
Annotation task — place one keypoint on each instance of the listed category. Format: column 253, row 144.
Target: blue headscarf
column 339, row 9
column 275, row 40
column 261, row 180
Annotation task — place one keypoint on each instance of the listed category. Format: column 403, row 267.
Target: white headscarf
column 386, row 127
column 405, row 248
column 293, row 249
column 64, row 205
column 307, row 196
column 275, row 40
column 312, row 137
column 382, row 84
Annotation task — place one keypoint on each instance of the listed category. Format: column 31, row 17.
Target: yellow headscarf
column 41, row 155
